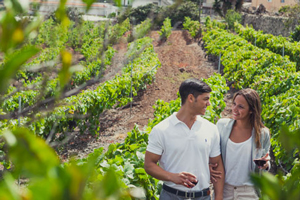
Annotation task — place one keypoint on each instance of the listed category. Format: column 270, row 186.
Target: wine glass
column 260, row 163
column 194, row 172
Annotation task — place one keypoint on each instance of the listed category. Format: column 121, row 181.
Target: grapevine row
column 90, row 104
column 273, row 76
column 275, row 44
column 89, row 47
column 29, row 97
column 244, row 63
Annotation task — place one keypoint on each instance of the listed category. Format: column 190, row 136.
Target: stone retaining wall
column 268, row 24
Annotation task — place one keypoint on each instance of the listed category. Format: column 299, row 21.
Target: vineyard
column 57, row 79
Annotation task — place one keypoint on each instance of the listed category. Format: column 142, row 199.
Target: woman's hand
column 214, row 175
column 266, row 158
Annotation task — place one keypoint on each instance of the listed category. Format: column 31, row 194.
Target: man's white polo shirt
column 185, row 150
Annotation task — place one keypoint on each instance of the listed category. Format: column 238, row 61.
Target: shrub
column 231, row 17
column 295, row 35
column 112, row 15
column 175, row 12
column 178, row 13
column 223, row 6
column 292, row 14
column 284, row 9
column 73, row 14
column 140, row 14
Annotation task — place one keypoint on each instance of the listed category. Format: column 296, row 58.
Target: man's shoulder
column 205, row 121
column 163, row 124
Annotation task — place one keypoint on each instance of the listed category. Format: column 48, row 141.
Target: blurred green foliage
column 282, row 187
column 192, row 26
column 231, row 17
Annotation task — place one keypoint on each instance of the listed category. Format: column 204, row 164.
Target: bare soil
column 181, row 58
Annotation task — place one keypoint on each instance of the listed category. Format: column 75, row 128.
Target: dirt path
column 181, row 58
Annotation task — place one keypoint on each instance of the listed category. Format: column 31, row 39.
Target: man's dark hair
column 192, row 86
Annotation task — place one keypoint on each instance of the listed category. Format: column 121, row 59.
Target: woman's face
column 240, row 108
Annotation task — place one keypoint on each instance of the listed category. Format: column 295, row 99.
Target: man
column 184, row 144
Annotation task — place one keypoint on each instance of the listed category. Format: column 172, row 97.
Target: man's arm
column 151, row 167
column 219, row 185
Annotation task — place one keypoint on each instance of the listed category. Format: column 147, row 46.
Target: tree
column 221, row 6
column 175, row 12
column 141, row 13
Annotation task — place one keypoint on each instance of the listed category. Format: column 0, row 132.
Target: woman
column 244, row 138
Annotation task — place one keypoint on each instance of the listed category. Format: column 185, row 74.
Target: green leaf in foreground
column 22, row 142
column 88, row 3
column 11, row 67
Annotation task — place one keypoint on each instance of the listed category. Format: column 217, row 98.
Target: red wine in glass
column 195, row 183
column 259, row 162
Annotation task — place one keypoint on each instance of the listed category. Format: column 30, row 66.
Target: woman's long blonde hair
column 253, row 101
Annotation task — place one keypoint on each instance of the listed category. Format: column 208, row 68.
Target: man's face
column 201, row 102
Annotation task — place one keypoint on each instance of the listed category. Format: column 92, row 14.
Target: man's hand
column 214, row 175
column 151, row 167
column 185, row 179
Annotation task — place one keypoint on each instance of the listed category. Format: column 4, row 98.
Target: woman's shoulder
column 224, row 121
column 265, row 131
column 264, row 135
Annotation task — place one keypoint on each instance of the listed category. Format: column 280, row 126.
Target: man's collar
column 174, row 119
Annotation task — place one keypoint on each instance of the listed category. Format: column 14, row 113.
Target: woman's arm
column 266, row 144
column 219, row 185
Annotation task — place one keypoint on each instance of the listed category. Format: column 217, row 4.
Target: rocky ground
column 181, row 58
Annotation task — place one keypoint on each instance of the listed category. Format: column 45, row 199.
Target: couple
column 185, row 144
